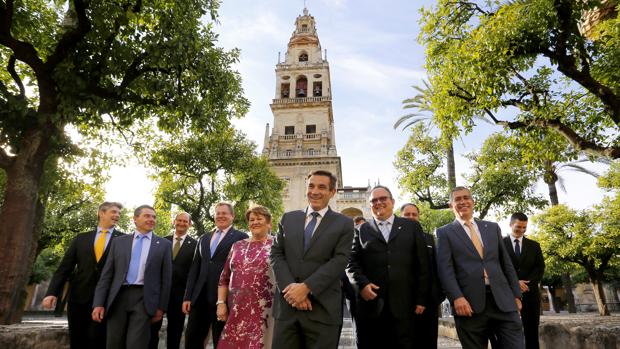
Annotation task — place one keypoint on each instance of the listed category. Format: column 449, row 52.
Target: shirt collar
column 389, row 220
column 512, row 238
column 462, row 221
column 224, row 231
column 148, row 235
column 321, row 212
column 99, row 229
column 175, row 236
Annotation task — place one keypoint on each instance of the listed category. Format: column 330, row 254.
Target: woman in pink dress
column 245, row 292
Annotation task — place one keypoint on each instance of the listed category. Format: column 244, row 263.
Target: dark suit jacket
column 81, row 268
column 460, row 267
column 205, row 271
column 320, row 267
column 436, row 295
column 181, row 266
column 530, row 266
column 157, row 274
column 399, row 267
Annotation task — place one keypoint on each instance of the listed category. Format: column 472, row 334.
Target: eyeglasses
column 381, row 199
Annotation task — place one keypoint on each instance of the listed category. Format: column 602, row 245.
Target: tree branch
column 23, row 51
column 11, row 69
column 71, row 37
column 5, row 159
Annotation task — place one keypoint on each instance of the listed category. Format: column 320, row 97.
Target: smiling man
column 134, row 287
column 389, row 266
column 308, row 256
column 82, row 264
column 200, row 300
column 478, row 277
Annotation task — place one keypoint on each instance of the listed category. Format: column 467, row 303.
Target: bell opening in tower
column 301, row 86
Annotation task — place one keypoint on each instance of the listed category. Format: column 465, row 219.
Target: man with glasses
column 389, row 267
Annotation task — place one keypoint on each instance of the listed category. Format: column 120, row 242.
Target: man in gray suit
column 308, row 257
column 134, row 287
column 478, row 277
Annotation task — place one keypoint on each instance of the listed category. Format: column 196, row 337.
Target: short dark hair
column 382, row 187
column 357, row 219
column 333, row 181
column 455, row 189
column 227, row 204
column 518, row 216
column 139, row 209
column 258, row 210
column 402, row 208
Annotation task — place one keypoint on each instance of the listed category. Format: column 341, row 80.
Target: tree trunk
column 567, row 283
column 596, row 279
column 451, row 166
column 20, row 214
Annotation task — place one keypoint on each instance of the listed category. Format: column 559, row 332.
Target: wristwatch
column 220, row 302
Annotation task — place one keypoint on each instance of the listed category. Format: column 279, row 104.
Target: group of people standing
column 286, row 291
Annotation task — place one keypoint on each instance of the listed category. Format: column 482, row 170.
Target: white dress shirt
column 321, row 212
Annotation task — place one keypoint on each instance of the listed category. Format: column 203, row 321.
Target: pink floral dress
column 251, row 284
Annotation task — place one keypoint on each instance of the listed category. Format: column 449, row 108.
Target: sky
column 374, row 60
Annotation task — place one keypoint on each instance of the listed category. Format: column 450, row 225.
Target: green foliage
column 195, row 171
column 432, row 219
column 524, row 65
column 44, row 266
column 611, row 180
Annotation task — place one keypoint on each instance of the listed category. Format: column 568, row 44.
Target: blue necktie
column 216, row 240
column 134, row 264
column 309, row 230
column 517, row 248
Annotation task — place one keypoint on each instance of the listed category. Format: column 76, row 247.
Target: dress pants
column 301, row 332
column 174, row 331
column 201, row 317
column 394, row 333
column 129, row 325
column 530, row 315
column 83, row 331
column 506, row 327
column 426, row 328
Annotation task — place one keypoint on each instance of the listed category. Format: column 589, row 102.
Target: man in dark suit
column 478, row 277
column 528, row 260
column 200, row 300
column 426, row 325
column 134, row 287
column 183, row 247
column 82, row 265
column 308, row 256
column 389, row 267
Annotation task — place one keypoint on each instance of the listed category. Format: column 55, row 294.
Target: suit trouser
column 298, row 331
column 129, row 325
column 83, row 331
column 201, row 317
column 426, row 328
column 394, row 333
column 474, row 331
column 530, row 315
column 174, row 331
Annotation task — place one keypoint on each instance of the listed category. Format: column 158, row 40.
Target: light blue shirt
column 146, row 246
column 108, row 235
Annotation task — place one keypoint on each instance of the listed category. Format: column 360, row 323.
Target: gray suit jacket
column 320, row 267
column 157, row 273
column 460, row 267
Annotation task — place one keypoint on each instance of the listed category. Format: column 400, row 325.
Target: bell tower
column 302, row 138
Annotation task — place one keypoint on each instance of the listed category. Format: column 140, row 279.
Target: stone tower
column 302, row 138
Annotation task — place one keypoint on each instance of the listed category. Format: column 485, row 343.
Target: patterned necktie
column 100, row 244
column 216, row 240
column 310, row 229
column 385, row 231
column 176, row 247
column 134, row 264
column 517, row 248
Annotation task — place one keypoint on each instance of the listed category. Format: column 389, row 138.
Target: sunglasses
column 381, row 199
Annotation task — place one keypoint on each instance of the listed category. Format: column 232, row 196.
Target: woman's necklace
column 247, row 261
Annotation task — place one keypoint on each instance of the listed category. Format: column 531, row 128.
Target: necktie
column 385, row 231
column 517, row 248
column 100, row 244
column 134, row 264
column 477, row 244
column 216, row 240
column 176, row 247
column 310, row 229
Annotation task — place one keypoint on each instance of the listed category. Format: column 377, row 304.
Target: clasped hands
column 296, row 294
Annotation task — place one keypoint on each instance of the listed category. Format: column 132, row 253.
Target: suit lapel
column 374, row 230
column 460, row 232
column 224, row 240
column 486, row 236
column 396, row 228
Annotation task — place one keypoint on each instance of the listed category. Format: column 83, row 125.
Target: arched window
column 317, row 89
column 301, row 87
column 303, row 57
